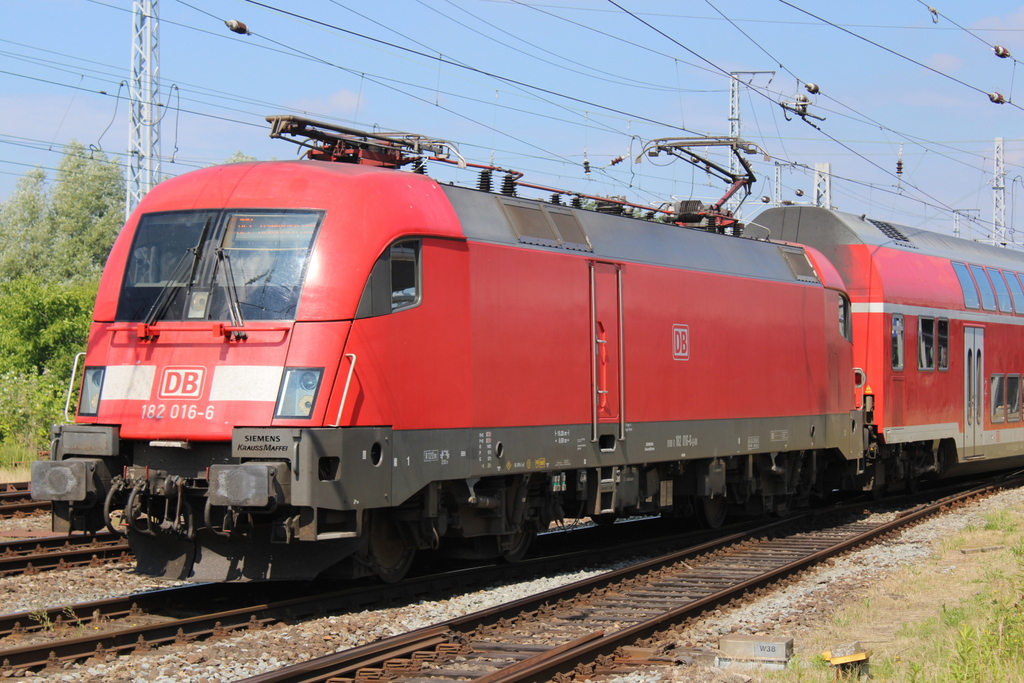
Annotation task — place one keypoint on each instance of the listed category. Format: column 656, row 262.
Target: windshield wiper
column 166, row 292
column 234, row 307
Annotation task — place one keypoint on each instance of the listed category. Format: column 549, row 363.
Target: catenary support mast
column 143, row 95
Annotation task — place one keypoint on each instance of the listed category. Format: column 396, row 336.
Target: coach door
column 974, row 394
column 607, row 356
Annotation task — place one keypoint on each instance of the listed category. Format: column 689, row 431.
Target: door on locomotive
column 974, row 394
column 607, row 365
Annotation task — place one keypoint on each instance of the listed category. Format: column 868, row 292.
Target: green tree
column 86, row 211
column 239, row 156
column 63, row 233
column 24, row 225
column 54, row 241
column 43, row 324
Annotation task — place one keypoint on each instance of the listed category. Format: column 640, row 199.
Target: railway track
column 584, row 629
column 32, row 640
column 16, row 501
column 63, row 552
column 48, row 638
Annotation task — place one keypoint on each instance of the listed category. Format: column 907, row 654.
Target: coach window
column 998, row 399
column 925, row 343
column 1013, row 398
column 988, row 297
column 942, row 337
column 897, row 341
column 1002, row 293
column 1015, row 291
column 845, row 324
column 967, row 286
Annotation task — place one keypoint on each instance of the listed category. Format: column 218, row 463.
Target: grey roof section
column 617, row 238
column 825, row 229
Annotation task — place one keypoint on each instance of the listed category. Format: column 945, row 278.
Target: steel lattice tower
column 143, row 96
column 733, row 203
column 823, row 185
column 999, row 197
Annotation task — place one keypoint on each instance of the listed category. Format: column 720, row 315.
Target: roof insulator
column 577, row 203
column 419, row 166
column 812, row 88
column 484, row 181
column 237, row 27
column 1001, row 51
column 997, row 98
column 556, row 199
column 508, row 185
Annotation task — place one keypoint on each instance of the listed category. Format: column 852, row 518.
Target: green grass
column 1000, row 520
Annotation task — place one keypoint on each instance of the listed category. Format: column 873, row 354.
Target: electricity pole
column 143, row 97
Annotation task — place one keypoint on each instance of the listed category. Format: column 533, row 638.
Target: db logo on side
column 182, row 382
column 681, row 342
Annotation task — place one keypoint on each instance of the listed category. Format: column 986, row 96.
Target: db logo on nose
column 182, row 382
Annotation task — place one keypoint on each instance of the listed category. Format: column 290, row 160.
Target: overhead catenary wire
column 896, row 53
column 763, row 94
column 966, row 155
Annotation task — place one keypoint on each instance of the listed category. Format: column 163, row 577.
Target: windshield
column 198, row 265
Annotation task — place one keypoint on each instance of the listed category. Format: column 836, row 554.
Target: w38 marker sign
column 182, row 382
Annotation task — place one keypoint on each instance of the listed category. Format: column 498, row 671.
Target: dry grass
column 15, row 463
column 952, row 617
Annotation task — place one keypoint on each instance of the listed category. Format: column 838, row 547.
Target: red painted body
column 501, row 337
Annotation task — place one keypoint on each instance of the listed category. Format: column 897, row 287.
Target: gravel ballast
column 255, row 652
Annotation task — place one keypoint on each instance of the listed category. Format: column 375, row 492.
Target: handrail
column 71, row 385
column 622, row 361
column 344, row 393
column 218, row 329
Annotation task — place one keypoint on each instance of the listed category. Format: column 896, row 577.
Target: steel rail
column 543, row 666
column 143, row 636
column 19, row 504
column 34, row 555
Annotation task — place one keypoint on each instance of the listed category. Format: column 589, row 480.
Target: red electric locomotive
column 309, row 367
column 938, row 328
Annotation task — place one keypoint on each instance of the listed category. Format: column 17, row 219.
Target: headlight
column 92, row 386
column 297, row 397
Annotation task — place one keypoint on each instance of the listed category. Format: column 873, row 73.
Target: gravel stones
column 253, row 652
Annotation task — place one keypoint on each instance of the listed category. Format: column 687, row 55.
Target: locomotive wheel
column 712, row 511
column 521, row 541
column 390, row 556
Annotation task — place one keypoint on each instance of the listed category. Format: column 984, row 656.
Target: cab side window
column 394, row 283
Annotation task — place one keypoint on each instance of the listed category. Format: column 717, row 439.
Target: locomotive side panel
column 531, row 345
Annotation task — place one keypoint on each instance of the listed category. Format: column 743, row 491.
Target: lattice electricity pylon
column 143, row 96
column 733, row 204
column 998, row 236
column 823, row 185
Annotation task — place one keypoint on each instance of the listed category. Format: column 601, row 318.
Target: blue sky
column 542, row 85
